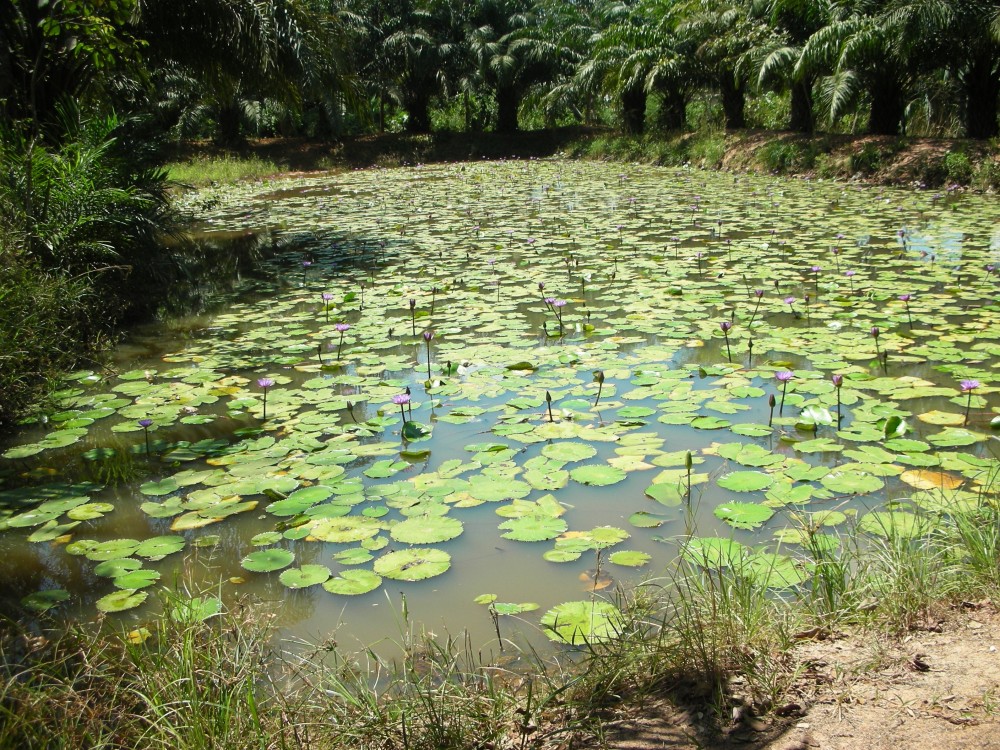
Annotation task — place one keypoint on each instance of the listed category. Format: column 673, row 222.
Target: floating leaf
column 923, row 479
column 581, row 622
column 413, row 564
column 43, row 601
column 746, row 481
column 629, row 558
column 426, row 530
column 598, row 475
column 267, row 560
column 307, row 575
column 744, row 515
column 533, row 528
column 121, row 600
column 353, row 582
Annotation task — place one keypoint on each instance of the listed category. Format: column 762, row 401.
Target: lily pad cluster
column 537, row 346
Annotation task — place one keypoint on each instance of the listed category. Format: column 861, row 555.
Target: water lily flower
column 850, row 277
column 905, row 299
column 341, row 328
column 558, row 305
column 783, row 376
column 725, row 325
column 401, row 400
column 265, row 383
column 326, row 297
column 968, row 386
column 428, row 337
column 144, row 424
column 599, row 379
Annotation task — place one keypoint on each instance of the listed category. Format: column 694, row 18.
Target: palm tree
column 243, row 50
column 725, row 34
column 865, row 51
column 513, row 53
column 962, row 39
column 793, row 22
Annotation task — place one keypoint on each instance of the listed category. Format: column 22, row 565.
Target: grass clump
column 220, row 169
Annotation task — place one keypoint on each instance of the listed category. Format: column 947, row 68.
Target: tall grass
column 221, row 169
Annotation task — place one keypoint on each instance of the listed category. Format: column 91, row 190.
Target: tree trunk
column 888, row 108
column 418, row 115
column 673, row 110
column 228, row 130
column 982, row 91
column 734, row 101
column 802, row 120
column 634, row 110
column 508, row 102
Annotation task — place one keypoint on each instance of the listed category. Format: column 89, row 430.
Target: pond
column 496, row 389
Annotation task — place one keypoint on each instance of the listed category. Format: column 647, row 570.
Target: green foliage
column 80, row 224
column 223, row 169
column 958, row 167
column 783, row 156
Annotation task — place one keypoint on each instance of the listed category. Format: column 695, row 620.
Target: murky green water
column 488, row 491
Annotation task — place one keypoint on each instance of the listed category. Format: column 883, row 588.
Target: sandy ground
column 937, row 688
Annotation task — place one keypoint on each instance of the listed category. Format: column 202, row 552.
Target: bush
column 958, row 167
column 82, row 223
column 44, row 317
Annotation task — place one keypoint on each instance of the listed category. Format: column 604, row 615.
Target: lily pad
column 413, row 564
column 121, row 600
column 307, row 575
column 267, row 560
column 581, row 622
column 353, row 582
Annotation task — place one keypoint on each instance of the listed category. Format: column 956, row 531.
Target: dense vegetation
column 90, row 89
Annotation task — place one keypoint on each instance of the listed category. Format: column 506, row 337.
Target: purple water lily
column 144, row 424
column 428, row 337
column 968, row 386
column 341, row 328
column 783, row 377
column 725, row 325
column 265, row 383
column 905, row 299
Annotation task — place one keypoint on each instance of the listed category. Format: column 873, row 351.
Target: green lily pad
column 598, row 475
column 746, row 481
column 307, row 575
column 413, row 564
column 629, row 558
column 353, row 582
column 267, row 560
column 569, row 452
column 43, row 601
column 533, row 528
column 121, row 600
column 581, row 622
column 426, row 529
column 744, row 515
column 137, row 579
